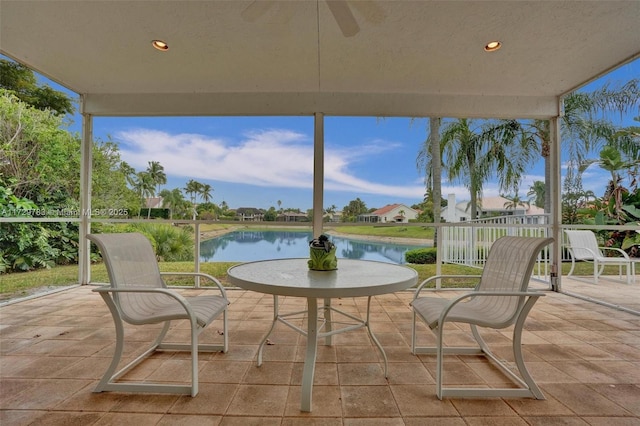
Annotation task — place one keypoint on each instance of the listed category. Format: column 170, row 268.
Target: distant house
column 391, row 213
column 249, row 214
column 333, row 217
column 487, row 207
column 153, row 203
column 292, row 217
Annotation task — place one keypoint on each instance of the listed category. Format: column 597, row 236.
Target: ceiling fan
column 340, row 9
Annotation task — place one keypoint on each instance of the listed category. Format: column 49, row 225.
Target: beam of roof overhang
column 337, row 104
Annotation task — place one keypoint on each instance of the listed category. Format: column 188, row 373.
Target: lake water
column 245, row 246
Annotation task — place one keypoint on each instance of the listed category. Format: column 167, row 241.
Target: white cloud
column 267, row 158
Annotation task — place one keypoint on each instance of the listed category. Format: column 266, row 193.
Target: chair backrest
column 508, row 268
column 583, row 244
column 131, row 262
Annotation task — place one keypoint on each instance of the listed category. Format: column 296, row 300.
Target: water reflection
column 245, row 246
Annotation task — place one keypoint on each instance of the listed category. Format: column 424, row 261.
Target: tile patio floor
column 584, row 356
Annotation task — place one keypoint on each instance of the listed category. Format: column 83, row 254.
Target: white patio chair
column 500, row 299
column 138, row 295
column 583, row 246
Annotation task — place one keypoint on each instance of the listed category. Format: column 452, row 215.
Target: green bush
column 171, row 243
column 421, row 256
column 155, row 213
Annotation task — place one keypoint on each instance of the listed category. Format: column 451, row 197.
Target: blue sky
column 258, row 161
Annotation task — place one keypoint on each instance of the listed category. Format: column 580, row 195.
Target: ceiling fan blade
column 370, row 10
column 345, row 19
column 256, row 9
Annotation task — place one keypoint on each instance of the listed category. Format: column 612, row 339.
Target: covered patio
column 457, row 59
column 403, row 58
column 585, row 357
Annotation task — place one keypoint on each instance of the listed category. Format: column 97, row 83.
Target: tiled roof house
column 391, row 213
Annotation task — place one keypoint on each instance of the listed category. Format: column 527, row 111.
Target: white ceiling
column 410, row 58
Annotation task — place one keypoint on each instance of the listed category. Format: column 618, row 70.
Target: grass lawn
column 395, row 231
column 23, row 284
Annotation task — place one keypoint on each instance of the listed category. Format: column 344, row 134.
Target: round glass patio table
column 292, row 277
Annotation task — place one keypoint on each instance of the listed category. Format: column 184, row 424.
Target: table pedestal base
column 318, row 328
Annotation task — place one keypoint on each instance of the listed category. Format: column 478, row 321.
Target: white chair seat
column 157, row 307
column 474, row 311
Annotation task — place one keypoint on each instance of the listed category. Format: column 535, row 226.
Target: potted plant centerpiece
column 322, row 254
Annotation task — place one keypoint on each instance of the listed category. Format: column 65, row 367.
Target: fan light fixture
column 160, row 45
column 492, row 46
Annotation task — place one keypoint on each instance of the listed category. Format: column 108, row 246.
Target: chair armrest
column 435, row 277
column 199, row 274
column 458, row 299
column 624, row 254
column 166, row 291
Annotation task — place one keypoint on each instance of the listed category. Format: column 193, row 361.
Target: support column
column 318, row 173
column 556, row 200
column 86, row 145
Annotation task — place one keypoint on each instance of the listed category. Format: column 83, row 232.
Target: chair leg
column 526, row 385
column 596, row 271
column 517, row 351
column 108, row 381
column 479, row 340
column 439, row 360
column 573, row 265
column 194, row 359
column 413, row 334
column 225, row 332
column 117, row 355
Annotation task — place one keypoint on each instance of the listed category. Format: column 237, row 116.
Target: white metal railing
column 468, row 243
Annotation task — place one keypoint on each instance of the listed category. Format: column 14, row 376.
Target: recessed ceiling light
column 492, row 46
column 160, row 45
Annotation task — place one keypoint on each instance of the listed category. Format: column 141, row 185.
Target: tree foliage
column 41, row 157
column 40, row 177
column 351, row 211
column 20, row 80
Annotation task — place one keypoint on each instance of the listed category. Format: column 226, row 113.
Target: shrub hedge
column 421, row 255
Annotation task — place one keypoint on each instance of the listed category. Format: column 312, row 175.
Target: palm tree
column 205, row 192
column 351, row 211
column 463, row 152
column 436, row 163
column 584, row 126
column 174, row 200
column 330, row 211
column 472, row 155
column 537, row 193
column 612, row 161
column 192, row 189
column 619, row 100
column 430, row 161
column 511, row 152
column 581, row 130
column 157, row 174
column 128, row 172
column 145, row 187
column 513, row 202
